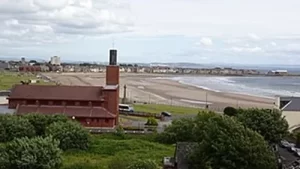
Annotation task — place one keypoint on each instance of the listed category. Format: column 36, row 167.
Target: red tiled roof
column 76, row 111
column 55, row 92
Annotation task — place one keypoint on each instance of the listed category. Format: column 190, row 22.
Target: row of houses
column 165, row 70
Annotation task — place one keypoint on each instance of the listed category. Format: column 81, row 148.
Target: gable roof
column 183, row 150
column 292, row 103
column 76, row 111
column 55, row 92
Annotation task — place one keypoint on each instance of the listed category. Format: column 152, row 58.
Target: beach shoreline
column 157, row 89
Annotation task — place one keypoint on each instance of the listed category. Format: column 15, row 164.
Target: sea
column 262, row 86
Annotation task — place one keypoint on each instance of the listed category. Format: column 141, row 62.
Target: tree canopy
column 269, row 123
column 35, row 153
column 41, row 121
column 225, row 143
column 70, row 134
column 14, row 127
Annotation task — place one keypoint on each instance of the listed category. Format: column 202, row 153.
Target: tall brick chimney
column 112, row 83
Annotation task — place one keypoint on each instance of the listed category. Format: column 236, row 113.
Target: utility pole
column 206, row 105
column 124, row 94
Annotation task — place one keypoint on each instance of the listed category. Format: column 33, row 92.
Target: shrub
column 35, row 153
column 230, row 111
column 152, row 122
column 70, row 134
column 41, row 121
column 15, row 127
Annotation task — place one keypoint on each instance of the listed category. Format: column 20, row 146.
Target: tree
column 269, row 123
column 41, row 121
column 15, row 127
column 70, row 134
column 179, row 130
column 35, row 153
column 230, row 111
column 144, row 164
column 226, row 143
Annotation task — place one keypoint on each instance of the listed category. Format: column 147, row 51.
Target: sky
column 197, row 31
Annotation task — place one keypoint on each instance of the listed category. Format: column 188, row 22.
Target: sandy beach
column 148, row 88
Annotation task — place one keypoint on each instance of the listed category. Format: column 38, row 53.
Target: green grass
column 106, row 147
column 158, row 108
column 8, row 79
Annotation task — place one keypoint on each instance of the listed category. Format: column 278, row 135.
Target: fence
column 173, row 102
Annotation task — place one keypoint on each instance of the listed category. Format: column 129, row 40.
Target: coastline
column 157, row 89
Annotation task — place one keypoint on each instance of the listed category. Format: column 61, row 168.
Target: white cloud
column 253, row 36
column 205, row 41
column 246, row 49
column 38, row 19
column 273, row 44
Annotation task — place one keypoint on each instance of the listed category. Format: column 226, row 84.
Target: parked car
column 167, row 114
column 125, row 108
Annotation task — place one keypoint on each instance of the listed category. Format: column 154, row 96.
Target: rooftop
column 290, row 103
column 76, row 111
column 57, row 92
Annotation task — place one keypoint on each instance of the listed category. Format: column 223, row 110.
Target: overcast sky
column 198, row 31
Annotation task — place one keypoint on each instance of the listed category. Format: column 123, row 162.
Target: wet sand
column 148, row 88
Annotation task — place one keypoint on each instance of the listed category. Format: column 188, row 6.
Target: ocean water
column 269, row 87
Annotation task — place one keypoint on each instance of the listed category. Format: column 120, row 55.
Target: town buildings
column 92, row 106
column 55, row 61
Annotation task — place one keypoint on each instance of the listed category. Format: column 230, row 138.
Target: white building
column 55, row 60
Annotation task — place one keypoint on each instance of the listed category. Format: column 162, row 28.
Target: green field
column 8, row 79
column 108, row 146
column 158, row 108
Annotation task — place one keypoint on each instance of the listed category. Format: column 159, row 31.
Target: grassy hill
column 106, row 147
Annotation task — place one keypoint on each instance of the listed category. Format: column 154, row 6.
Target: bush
column 15, row 127
column 41, row 121
column 35, row 153
column 120, row 131
column 152, row 122
column 70, row 134
column 230, row 111
column 144, row 164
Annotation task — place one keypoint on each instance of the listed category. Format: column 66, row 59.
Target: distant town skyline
column 196, row 31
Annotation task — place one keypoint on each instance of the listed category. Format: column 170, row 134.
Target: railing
column 141, row 114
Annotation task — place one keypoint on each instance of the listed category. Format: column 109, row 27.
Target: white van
column 125, row 108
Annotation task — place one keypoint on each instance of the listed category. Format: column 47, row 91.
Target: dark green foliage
column 230, row 111
column 151, row 122
column 184, row 129
column 226, row 143
column 144, row 164
column 269, row 123
column 40, row 121
column 180, row 130
column 4, row 160
column 70, row 134
column 15, row 127
column 35, row 153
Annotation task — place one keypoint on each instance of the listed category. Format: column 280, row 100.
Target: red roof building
column 92, row 106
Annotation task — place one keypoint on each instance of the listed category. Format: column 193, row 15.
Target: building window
column 106, row 120
column 64, row 103
column 50, row 102
column 77, row 103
